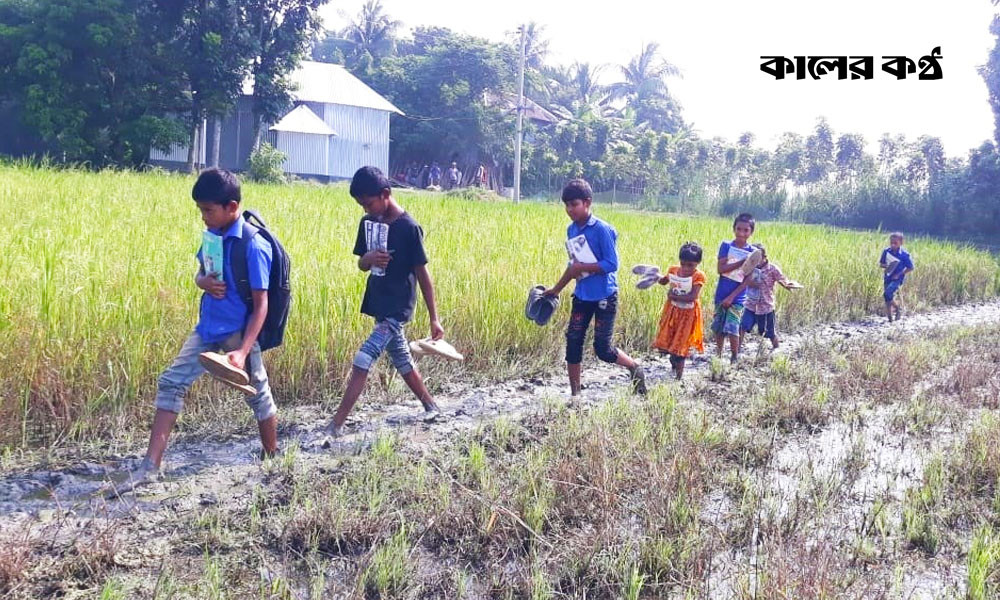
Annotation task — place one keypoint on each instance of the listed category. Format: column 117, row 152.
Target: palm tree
column 589, row 94
column 371, row 34
column 645, row 89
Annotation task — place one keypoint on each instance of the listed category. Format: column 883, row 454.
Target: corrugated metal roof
column 303, row 120
column 331, row 84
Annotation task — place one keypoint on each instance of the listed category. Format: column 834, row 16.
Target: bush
column 265, row 164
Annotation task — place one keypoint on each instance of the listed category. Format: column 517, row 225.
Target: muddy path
column 202, row 473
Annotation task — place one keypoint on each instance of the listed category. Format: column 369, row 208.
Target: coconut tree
column 644, row 90
column 371, row 36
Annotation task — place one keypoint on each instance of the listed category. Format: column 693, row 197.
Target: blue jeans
column 175, row 381
column 387, row 336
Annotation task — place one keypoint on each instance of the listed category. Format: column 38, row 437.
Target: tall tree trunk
column 193, row 145
column 216, row 139
column 258, row 131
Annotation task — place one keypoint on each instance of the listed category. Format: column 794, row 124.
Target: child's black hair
column 218, row 186
column 896, row 234
column 368, row 181
column 745, row 218
column 690, row 251
column 577, row 189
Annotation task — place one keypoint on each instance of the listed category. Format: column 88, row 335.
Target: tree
column 452, row 87
column 819, row 152
column 990, row 72
column 645, row 90
column 90, row 77
column 216, row 50
column 280, row 31
column 370, row 37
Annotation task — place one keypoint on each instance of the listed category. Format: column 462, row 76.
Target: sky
column 717, row 46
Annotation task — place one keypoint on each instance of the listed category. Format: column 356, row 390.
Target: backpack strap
column 238, row 263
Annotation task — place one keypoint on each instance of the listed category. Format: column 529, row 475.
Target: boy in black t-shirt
column 391, row 247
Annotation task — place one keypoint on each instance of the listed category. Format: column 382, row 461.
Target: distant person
column 759, row 309
column 435, row 174
column 729, row 296
column 454, row 176
column 480, row 177
column 225, row 320
column 425, row 176
column 593, row 263
column 896, row 263
column 681, row 327
column 390, row 247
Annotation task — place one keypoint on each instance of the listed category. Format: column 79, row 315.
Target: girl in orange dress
column 680, row 322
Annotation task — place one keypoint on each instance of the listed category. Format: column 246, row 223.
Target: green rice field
column 98, row 287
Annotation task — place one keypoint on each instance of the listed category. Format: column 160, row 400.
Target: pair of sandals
column 540, row 307
column 649, row 275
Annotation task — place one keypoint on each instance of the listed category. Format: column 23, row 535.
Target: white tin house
column 356, row 132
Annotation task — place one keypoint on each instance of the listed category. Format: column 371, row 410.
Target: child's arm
column 572, row 272
column 256, row 323
column 427, row 289
column 375, row 258
column 726, row 267
column 739, row 290
column 210, row 283
column 690, row 296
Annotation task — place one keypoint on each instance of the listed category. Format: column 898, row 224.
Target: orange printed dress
column 680, row 322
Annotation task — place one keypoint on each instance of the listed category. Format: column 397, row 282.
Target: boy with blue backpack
column 244, row 309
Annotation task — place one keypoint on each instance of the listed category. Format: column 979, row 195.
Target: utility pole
column 520, row 122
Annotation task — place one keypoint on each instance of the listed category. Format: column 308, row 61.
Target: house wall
column 362, row 138
column 306, row 152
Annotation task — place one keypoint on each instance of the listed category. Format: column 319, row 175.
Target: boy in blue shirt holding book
column 224, row 322
column 896, row 263
column 593, row 262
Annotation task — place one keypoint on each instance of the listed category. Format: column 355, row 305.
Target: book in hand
column 377, row 238
column 678, row 287
column 735, row 255
column 211, row 254
column 890, row 263
column 579, row 252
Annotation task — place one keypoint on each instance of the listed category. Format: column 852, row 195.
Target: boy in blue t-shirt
column 729, row 295
column 593, row 262
column 390, row 247
column 224, row 322
column 896, row 263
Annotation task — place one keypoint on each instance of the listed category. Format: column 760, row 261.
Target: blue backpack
column 279, row 289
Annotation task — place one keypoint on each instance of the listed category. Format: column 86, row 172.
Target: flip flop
column 752, row 261
column 645, row 269
column 440, row 348
column 218, row 366
column 248, row 390
column 416, row 351
column 648, row 280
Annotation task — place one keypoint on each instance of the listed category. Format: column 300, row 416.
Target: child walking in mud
column 225, row 321
column 895, row 262
column 729, row 297
column 680, row 322
column 759, row 311
column 593, row 263
column 390, row 247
